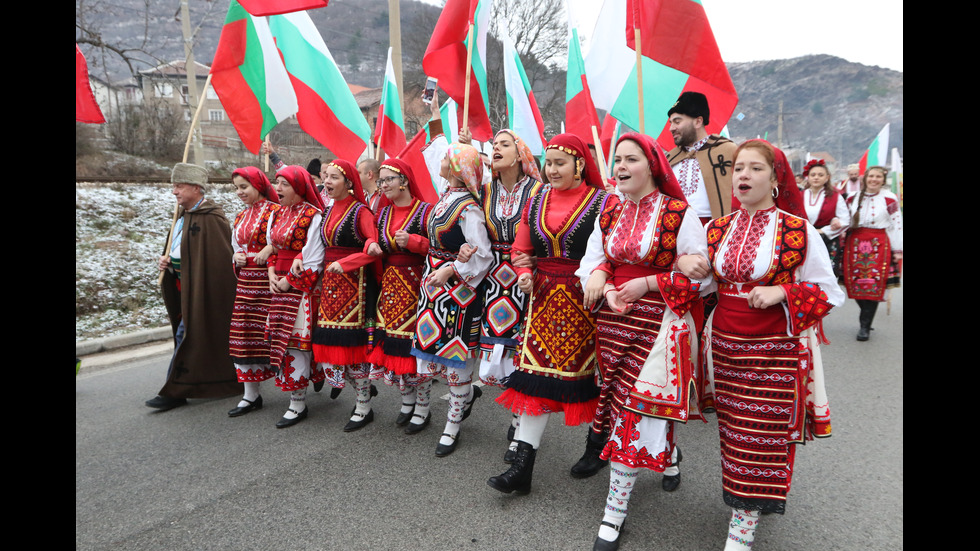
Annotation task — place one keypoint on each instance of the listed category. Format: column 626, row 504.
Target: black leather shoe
column 404, row 418
column 606, row 545
column 415, row 428
column 590, row 463
column 334, row 392
column 242, row 410
column 318, row 386
column 163, row 403
column 864, row 333
column 477, row 392
column 443, row 450
column 284, row 422
column 518, row 477
column 671, row 482
column 353, row 425
column 374, row 390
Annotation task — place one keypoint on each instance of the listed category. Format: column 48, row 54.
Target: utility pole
column 191, row 69
column 779, row 126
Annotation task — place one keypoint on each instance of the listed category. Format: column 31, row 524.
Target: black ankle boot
column 590, row 463
column 518, row 476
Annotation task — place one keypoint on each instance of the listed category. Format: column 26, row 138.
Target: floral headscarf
column 466, row 166
column 302, row 183
column 576, row 147
column 524, row 155
column 259, row 181
column 663, row 175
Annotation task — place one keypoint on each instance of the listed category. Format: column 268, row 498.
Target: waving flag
column 523, row 116
column 86, row 108
column 390, row 130
column 413, row 154
column 877, row 153
column 445, row 59
column 249, row 77
column 679, row 54
column 273, row 7
column 327, row 109
column 580, row 113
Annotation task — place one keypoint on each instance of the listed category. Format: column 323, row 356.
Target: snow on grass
column 120, row 233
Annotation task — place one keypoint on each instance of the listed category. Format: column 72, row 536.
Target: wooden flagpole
column 639, row 78
column 599, row 153
column 469, row 69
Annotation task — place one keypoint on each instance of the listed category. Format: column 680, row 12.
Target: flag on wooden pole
column 523, row 115
column 274, row 7
column 877, row 153
column 389, row 133
column 86, row 108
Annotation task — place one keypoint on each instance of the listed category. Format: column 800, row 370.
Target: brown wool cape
column 202, row 365
column 715, row 160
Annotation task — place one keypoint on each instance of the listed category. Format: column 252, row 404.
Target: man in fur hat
column 199, row 292
column 701, row 162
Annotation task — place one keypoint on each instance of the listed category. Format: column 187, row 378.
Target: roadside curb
column 143, row 336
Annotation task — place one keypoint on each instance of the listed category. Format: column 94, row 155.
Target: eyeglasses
column 384, row 181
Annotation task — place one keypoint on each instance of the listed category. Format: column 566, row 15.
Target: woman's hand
column 297, row 268
column 616, row 303
column 835, row 224
column 520, row 259
column 594, row 288
column 273, row 282
column 525, row 283
column 374, row 249
column 264, row 255
column 634, row 289
column 465, row 136
column 283, row 285
column 240, row 259
column 896, row 256
column 465, row 252
column 766, row 296
column 335, row 268
column 401, row 238
column 694, row 266
column 439, row 277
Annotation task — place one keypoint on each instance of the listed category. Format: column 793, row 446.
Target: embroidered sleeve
column 306, row 282
column 678, row 290
column 474, row 227
column 894, row 230
column 807, row 305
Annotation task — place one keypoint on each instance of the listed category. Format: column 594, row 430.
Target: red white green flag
column 679, row 54
column 273, row 7
column 877, row 153
column 327, row 109
column 249, row 77
column 86, row 108
column 523, row 115
column 580, row 112
column 445, row 59
column 390, row 130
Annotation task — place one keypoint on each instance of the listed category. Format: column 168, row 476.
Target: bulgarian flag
column 389, row 132
column 327, row 109
column 274, row 7
column 523, row 115
column 249, row 77
column 445, row 59
column 877, row 153
column 413, row 154
column 679, row 55
column 450, row 122
column 86, row 108
column 580, row 113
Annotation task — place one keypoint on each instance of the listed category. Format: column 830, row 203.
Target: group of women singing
column 572, row 299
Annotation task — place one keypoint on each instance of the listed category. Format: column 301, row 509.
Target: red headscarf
column 350, row 172
column 301, row 181
column 789, row 198
column 576, row 147
column 663, row 175
column 259, row 181
column 404, row 169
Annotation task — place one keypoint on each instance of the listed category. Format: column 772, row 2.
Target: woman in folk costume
column 556, row 360
column 291, row 314
column 873, row 247
column 249, row 240
column 515, row 179
column 775, row 284
column 348, row 288
column 825, row 208
column 447, row 330
column 647, row 338
column 403, row 241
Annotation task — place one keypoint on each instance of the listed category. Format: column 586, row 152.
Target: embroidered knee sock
column 251, row 393
column 741, row 530
column 459, row 397
column 673, row 470
column 621, row 480
column 422, row 401
column 408, row 399
column 297, row 403
column 362, row 396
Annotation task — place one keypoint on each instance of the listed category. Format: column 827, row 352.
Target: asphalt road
column 193, row 478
